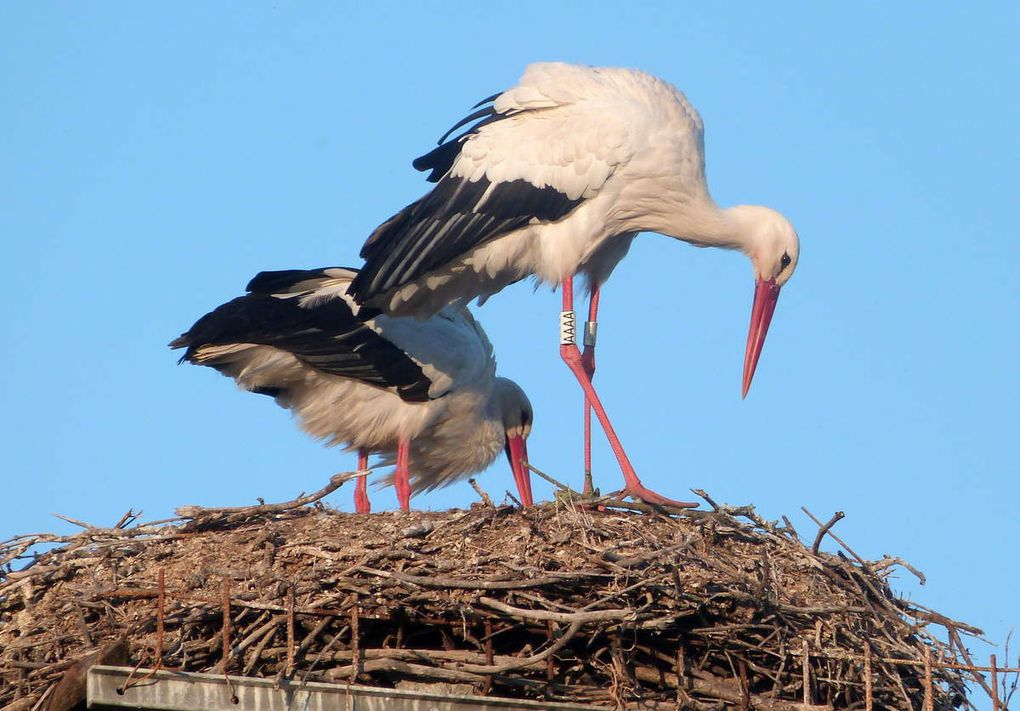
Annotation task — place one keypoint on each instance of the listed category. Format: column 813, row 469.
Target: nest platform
column 608, row 606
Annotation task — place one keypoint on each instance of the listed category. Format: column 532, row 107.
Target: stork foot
column 639, row 492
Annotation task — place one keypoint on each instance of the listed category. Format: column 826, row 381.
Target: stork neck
column 705, row 224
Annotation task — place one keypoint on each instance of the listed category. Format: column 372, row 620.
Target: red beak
column 517, row 454
column 766, row 294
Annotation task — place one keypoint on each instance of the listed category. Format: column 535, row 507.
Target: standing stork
column 553, row 178
column 424, row 390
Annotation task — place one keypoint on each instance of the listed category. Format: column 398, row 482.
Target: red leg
column 572, row 357
column 402, row 476
column 588, row 361
column 361, row 502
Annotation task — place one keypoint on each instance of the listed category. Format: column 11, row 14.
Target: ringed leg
column 590, row 331
column 402, row 476
column 572, row 357
column 588, row 361
column 361, row 502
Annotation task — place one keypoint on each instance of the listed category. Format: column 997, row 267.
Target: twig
column 335, row 482
column 442, row 581
column 703, row 494
column 924, row 612
column 481, row 493
column 825, row 529
column 889, row 561
column 76, row 522
column 127, row 518
column 789, row 525
column 528, row 661
column 571, row 617
column 864, row 564
column 559, row 485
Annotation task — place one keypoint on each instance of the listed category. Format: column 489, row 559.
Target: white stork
column 424, row 390
column 553, row 178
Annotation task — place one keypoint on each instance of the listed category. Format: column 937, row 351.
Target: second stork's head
column 516, row 414
column 771, row 243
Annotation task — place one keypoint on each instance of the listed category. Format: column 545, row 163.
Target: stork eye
column 525, row 418
column 784, row 262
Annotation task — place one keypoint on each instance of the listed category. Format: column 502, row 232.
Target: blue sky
column 154, row 157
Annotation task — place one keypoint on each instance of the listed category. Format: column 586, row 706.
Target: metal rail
column 190, row 691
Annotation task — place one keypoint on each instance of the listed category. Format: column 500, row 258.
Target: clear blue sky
column 153, row 157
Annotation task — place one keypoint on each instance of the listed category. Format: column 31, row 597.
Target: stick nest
column 611, row 607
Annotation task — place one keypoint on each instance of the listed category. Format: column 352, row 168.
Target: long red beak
column 766, row 294
column 517, row 454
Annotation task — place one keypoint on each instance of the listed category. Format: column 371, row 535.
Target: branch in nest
column 335, row 482
column 889, row 561
column 836, row 517
column 571, row 617
column 440, row 581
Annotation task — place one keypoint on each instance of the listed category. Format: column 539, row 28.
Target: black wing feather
column 488, row 99
column 439, row 160
column 480, row 113
column 327, row 336
column 448, row 222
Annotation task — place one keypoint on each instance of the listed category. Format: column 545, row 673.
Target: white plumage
column 370, row 386
column 615, row 152
column 556, row 177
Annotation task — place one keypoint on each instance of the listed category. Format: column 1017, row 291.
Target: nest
column 610, row 606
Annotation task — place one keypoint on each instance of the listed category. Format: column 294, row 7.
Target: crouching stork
column 422, row 393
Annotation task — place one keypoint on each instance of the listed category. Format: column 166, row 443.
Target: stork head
column 515, row 412
column 770, row 241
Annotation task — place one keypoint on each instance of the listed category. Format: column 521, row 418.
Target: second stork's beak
column 766, row 294
column 517, row 454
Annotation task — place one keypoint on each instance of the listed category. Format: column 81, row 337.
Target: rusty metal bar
column 160, row 622
column 487, row 686
column 290, row 631
column 355, row 642
column 745, row 688
column 550, row 667
column 805, row 668
column 225, row 642
column 995, row 683
column 160, row 633
column 929, row 692
column 869, row 694
column 193, row 691
column 226, row 639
